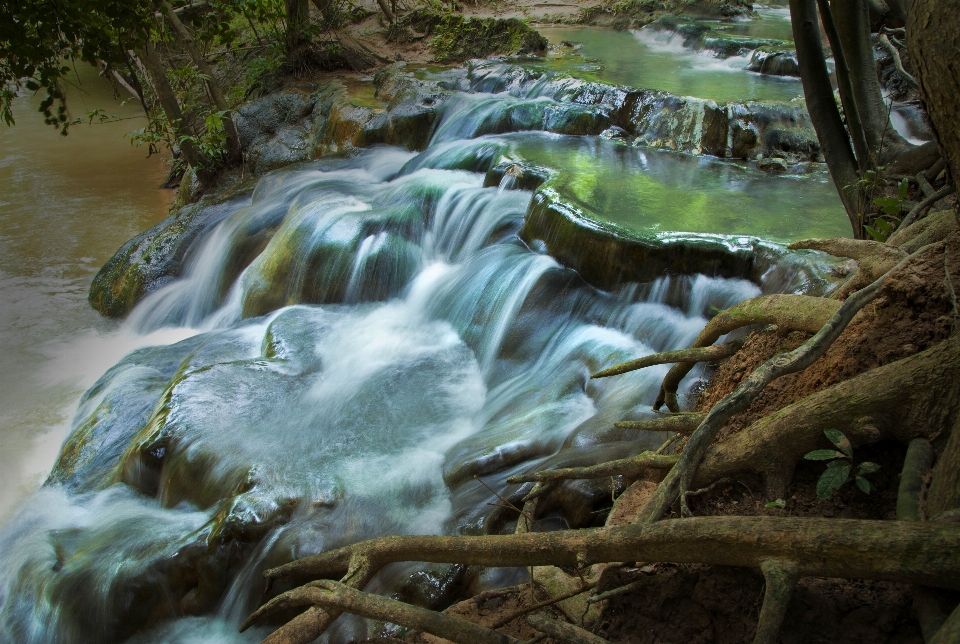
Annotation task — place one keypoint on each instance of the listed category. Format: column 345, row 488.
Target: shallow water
column 659, row 60
column 66, row 204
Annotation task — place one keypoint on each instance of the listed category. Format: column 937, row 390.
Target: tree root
column 781, row 578
column 949, row 633
column 343, row 598
column 911, row 398
column 680, row 478
column 917, row 463
column 503, row 621
column 926, row 203
column 873, row 259
column 563, row 631
column 692, row 355
column 681, row 423
column 793, row 312
column 628, row 467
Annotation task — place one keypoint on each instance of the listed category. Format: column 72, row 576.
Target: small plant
column 890, row 206
column 838, row 469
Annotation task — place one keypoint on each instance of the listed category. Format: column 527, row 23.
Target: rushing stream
column 359, row 338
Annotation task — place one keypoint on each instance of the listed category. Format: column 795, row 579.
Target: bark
column 933, row 41
column 873, row 259
column 298, row 22
column 186, row 39
column 333, row 594
column 913, row 552
column 898, row 11
column 794, row 312
column 844, row 84
column 912, row 398
column 693, row 356
column 818, row 93
column 629, row 467
column 949, row 633
column 780, row 578
column 683, row 423
column 169, row 103
column 853, row 23
column 387, row 12
column 916, row 464
column 944, row 493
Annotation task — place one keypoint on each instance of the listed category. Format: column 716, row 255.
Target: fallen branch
column 692, row 355
column 628, row 467
column 791, row 312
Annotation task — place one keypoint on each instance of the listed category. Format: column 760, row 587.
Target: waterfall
column 351, row 345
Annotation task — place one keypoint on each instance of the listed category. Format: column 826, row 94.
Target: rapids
column 359, row 338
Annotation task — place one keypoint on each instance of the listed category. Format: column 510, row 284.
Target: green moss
column 458, row 38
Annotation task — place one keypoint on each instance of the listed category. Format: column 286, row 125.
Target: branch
column 947, row 190
column 682, row 423
column 692, row 355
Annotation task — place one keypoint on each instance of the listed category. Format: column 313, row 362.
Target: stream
column 351, row 344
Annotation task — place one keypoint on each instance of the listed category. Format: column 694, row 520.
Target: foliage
column 38, row 40
column 838, row 469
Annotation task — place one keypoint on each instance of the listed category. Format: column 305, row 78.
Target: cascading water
column 366, row 335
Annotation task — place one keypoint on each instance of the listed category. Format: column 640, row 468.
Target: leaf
column 876, row 234
column 832, row 479
column 902, row 188
column 883, row 226
column 840, row 439
column 823, row 455
column 779, row 504
column 868, row 468
column 889, row 205
column 863, row 484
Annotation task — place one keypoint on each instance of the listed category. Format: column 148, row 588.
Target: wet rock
column 773, row 129
column 155, row 256
column 685, row 124
column 772, row 165
column 774, row 62
column 410, row 115
column 517, row 175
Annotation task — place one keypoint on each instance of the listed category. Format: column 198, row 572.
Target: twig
column 616, row 592
column 511, row 506
column 621, row 467
column 685, row 509
column 503, row 621
column 693, row 354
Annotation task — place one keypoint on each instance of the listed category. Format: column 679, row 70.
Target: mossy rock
column 458, row 38
column 155, row 256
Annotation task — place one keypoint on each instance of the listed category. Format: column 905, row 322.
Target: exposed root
column 343, row 598
column 873, row 259
column 781, row 578
column 549, row 602
column 681, row 476
column 563, row 631
column 681, row 423
column 790, row 312
column 947, row 190
column 912, row 398
column 949, row 633
column 628, row 467
column 916, row 465
column 685, row 509
column 691, row 355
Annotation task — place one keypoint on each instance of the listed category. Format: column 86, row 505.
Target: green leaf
column 902, row 188
column 839, row 439
column 868, row 468
column 863, row 484
column 779, row 503
column 883, row 226
column 876, row 234
column 888, row 205
column 823, row 455
column 832, row 479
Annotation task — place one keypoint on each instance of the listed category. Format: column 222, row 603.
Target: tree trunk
column 824, row 114
column 169, row 103
column 933, row 40
column 186, row 39
column 298, row 23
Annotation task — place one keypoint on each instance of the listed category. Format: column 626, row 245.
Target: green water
column 649, row 191
column 652, row 61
